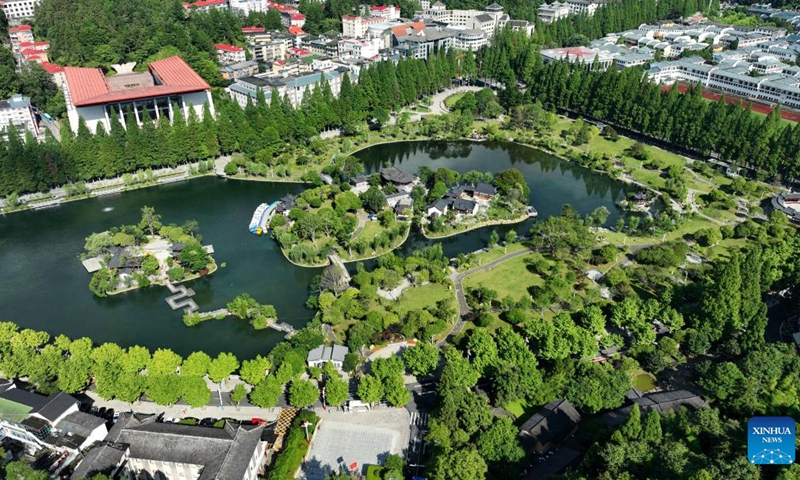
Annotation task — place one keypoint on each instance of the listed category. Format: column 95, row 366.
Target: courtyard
column 363, row 438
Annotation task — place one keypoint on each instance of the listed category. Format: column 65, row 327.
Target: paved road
column 458, row 278
column 363, row 218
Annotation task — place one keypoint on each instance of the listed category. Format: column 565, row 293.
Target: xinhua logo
column 770, row 440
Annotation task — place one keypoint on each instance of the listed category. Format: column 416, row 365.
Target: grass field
column 417, row 298
column 370, row 230
column 493, row 254
column 450, row 101
column 508, row 278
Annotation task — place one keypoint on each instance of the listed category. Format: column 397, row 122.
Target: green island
column 243, row 307
column 128, row 257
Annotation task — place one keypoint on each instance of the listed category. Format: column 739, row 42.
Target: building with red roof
column 282, row 8
column 252, row 30
column 55, row 71
column 34, row 55
column 389, row 13
column 19, row 35
column 296, row 31
column 228, row 54
column 293, row 19
column 206, row 5
column 167, row 85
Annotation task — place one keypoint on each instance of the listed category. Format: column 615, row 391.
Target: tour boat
column 261, row 217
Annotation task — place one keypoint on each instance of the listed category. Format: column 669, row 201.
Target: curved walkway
column 458, row 278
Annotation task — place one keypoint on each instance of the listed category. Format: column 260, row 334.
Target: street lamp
column 305, row 425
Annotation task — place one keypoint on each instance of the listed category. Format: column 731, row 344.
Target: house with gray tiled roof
column 139, row 446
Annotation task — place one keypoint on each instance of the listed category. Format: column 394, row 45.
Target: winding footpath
column 458, row 278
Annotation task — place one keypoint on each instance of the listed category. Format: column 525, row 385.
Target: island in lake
column 134, row 256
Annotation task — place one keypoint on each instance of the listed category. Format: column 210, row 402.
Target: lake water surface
column 44, row 286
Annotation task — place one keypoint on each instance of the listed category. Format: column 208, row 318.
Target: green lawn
column 508, row 278
column 689, row 225
column 370, row 230
column 374, row 472
column 417, row 298
column 493, row 254
column 451, row 101
column 521, row 410
column 12, row 411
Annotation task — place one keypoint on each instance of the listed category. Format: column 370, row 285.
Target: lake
column 44, row 286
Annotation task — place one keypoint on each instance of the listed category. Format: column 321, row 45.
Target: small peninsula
column 128, row 257
column 352, row 216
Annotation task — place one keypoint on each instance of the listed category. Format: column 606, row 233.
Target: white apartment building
column 357, row 27
column 292, row 86
column 489, row 20
column 268, row 50
column 17, row 111
column 388, row 12
column 350, row 47
column 228, row 54
column 731, row 78
column 468, row 38
column 18, row 10
column 577, row 7
column 244, row 7
column 550, row 12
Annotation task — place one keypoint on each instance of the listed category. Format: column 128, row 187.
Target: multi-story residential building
column 227, row 54
column 140, row 447
column 423, row 44
column 292, row 86
column 239, row 70
column 167, row 84
column 267, row 46
column 732, row 77
column 321, row 45
column 293, row 19
column 17, row 111
column 389, row 13
column 350, row 47
column 20, row 35
column 206, row 5
column 18, row 10
column 521, row 26
column 591, row 57
column 56, row 72
column 356, row 27
column 488, row 20
column 630, row 60
column 468, row 38
column 550, row 12
column 244, row 7
column 585, row 7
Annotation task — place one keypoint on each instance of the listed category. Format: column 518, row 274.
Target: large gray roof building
column 167, row 450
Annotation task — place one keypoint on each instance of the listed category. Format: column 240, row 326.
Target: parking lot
column 364, row 438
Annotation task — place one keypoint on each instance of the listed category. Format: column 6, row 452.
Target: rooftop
column 169, row 76
column 228, row 48
column 222, row 452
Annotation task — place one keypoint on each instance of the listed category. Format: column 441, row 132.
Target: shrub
column 231, row 168
column 294, row 447
column 175, row 274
